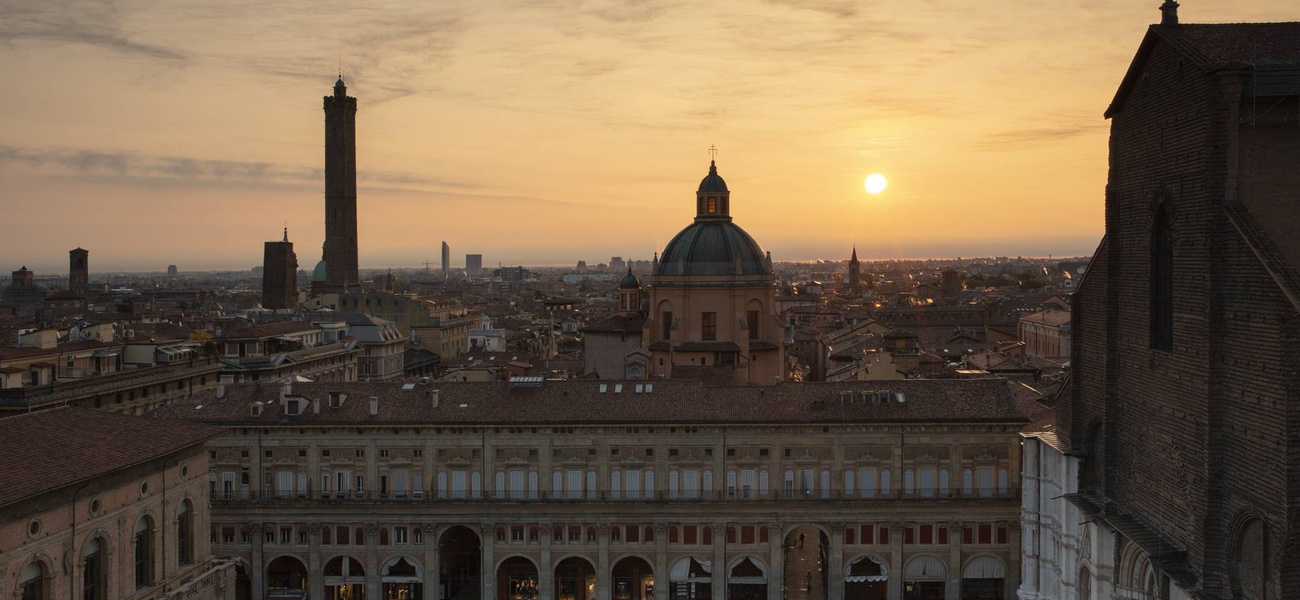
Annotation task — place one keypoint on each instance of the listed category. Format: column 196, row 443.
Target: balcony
column 240, row 499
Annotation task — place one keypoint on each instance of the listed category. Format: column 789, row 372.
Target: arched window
column 31, row 580
column 1162, row 281
column 185, row 534
column 143, row 553
column 1250, row 564
column 93, row 586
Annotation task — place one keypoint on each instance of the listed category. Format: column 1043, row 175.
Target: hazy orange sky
column 187, row 132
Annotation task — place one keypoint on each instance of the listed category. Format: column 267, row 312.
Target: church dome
column 713, row 248
column 630, row 281
column 712, row 245
column 319, row 273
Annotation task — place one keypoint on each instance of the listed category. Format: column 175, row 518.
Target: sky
column 188, row 132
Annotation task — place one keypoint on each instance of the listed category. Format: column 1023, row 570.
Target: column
column 315, row 579
column 372, row 557
column 313, row 469
column 955, row 471
column 1014, row 568
column 372, row 469
column 775, row 561
column 603, row 574
column 719, row 574
column 661, row 562
column 432, row 568
column 488, row 570
column 835, row 563
column 256, row 568
column 952, row 591
column 545, row 569
column 896, row 559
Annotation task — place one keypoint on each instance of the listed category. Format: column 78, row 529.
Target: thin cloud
column 89, row 22
column 197, row 171
column 1028, row 138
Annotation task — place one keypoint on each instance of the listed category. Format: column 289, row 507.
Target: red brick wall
column 1196, row 437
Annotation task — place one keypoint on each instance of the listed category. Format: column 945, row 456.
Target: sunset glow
column 161, row 143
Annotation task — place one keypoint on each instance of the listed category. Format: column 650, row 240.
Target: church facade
column 712, row 309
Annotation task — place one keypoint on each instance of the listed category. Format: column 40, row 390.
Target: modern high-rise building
column 473, row 263
column 79, row 271
column 279, row 274
column 340, row 189
column 446, row 259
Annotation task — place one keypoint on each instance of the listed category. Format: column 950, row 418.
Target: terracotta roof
column 11, row 353
column 50, row 449
column 1217, row 46
column 1049, row 317
column 267, row 330
column 582, row 402
column 1240, row 44
column 617, row 324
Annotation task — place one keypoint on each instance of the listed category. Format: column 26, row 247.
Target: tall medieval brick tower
column 279, row 274
column 340, row 189
column 79, row 271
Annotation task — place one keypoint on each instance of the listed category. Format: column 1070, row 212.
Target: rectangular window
column 713, row 205
column 709, row 326
column 666, row 325
column 399, row 535
column 751, row 322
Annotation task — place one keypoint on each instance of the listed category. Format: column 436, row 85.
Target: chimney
column 286, row 390
column 374, row 406
column 221, row 390
column 1169, row 13
column 315, row 406
column 433, row 397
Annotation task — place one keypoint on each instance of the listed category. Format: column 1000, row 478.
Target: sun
column 876, row 183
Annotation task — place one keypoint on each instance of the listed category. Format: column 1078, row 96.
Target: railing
column 660, row 496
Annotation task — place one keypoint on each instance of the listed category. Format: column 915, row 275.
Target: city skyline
column 197, row 152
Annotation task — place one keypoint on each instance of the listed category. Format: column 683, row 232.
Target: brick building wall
column 1194, row 440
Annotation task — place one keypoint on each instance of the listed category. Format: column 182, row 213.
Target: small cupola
column 629, row 293
column 713, row 199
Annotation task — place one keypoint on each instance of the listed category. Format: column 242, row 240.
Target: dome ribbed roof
column 318, row 274
column 712, row 248
column 630, row 281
